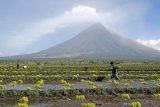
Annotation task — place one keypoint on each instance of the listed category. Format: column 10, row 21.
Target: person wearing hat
column 114, row 75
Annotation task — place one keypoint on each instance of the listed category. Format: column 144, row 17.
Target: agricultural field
column 78, row 84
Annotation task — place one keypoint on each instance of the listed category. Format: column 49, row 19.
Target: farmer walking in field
column 17, row 65
column 114, row 75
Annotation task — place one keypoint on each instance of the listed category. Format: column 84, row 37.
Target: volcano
column 96, row 42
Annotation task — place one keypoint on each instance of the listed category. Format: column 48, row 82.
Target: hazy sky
column 32, row 25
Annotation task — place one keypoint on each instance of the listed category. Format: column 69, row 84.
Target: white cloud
column 150, row 43
column 1, row 54
column 114, row 19
column 78, row 14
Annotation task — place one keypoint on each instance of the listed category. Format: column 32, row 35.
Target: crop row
column 22, row 72
column 84, row 68
column 50, row 78
column 73, row 92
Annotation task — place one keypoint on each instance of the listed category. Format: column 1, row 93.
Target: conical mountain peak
column 96, row 42
column 98, row 25
column 95, row 31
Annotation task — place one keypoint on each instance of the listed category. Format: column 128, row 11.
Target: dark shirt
column 114, row 70
column 17, row 66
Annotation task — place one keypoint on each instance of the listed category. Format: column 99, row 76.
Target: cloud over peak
column 150, row 43
column 36, row 30
column 118, row 17
column 80, row 9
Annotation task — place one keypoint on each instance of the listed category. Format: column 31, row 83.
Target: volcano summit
column 96, row 42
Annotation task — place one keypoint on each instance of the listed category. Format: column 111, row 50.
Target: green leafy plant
column 80, row 97
column 23, row 102
column 125, row 96
column 88, row 105
column 136, row 104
